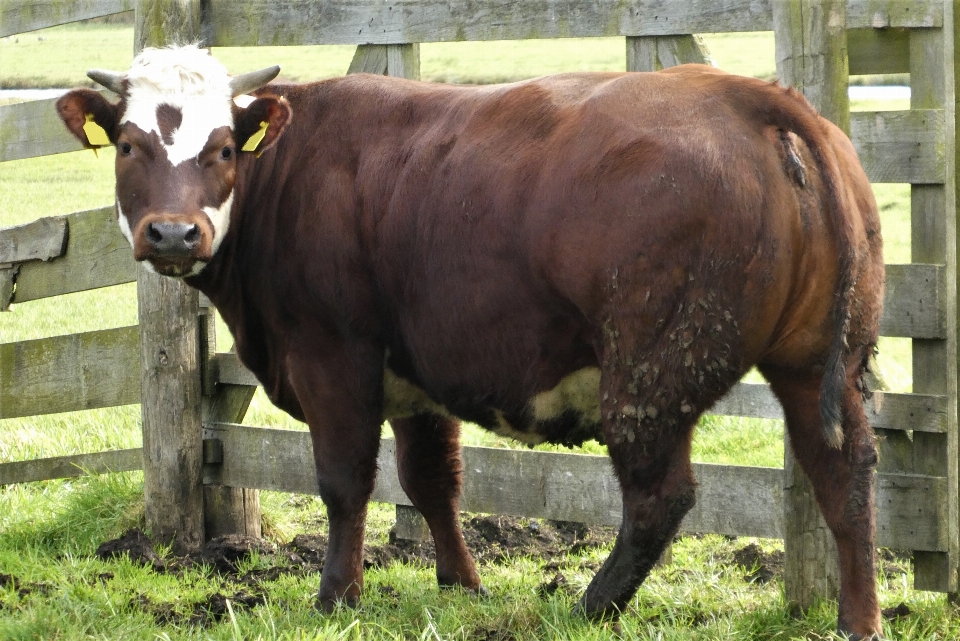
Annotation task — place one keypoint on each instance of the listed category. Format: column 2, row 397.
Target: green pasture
column 48, row 531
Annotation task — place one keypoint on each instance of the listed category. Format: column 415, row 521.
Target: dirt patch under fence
column 491, row 539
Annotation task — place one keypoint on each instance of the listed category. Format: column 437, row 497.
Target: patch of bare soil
column 896, row 613
column 761, row 567
column 491, row 539
column 134, row 544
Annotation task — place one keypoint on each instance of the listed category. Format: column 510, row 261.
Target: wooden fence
column 203, row 469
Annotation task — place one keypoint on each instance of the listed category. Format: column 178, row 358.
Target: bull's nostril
column 192, row 237
column 153, row 234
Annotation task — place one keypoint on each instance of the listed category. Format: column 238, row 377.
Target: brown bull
column 573, row 257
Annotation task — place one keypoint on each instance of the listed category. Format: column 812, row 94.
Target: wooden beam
column 69, row 373
column 733, row 500
column 652, row 53
column 933, row 63
column 42, row 239
column 811, row 51
column 97, row 255
column 170, row 344
column 900, row 146
column 904, row 412
column 33, row 128
column 21, row 16
column 226, row 510
column 61, row 467
column 876, row 51
column 913, row 301
column 894, row 13
column 246, row 23
column 369, row 59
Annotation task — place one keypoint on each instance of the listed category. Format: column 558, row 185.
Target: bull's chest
column 569, row 413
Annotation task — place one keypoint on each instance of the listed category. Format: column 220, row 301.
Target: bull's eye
column 125, row 148
column 226, row 153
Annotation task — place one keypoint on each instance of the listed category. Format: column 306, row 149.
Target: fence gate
column 202, row 469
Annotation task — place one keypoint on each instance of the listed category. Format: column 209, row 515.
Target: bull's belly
column 568, row 414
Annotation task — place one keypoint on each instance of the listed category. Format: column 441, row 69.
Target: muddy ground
column 491, row 539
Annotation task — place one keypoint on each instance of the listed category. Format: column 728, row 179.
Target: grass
column 49, row 530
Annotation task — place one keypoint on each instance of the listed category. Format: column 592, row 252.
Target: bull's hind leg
column 648, row 429
column 658, row 490
column 843, row 483
column 430, row 470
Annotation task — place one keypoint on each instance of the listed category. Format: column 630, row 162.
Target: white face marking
column 124, row 225
column 195, row 83
column 189, row 79
column 220, row 217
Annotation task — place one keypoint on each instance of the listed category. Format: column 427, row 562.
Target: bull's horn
column 109, row 79
column 253, row 80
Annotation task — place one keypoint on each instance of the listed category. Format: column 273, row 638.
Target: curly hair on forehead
column 187, row 70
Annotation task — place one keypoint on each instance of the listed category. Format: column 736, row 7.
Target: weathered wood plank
column 652, row 53
column 874, row 51
column 253, row 22
column 42, row 239
column 62, row 467
column 301, row 22
column 894, row 13
column 226, row 510
column 934, row 240
column 68, row 373
column 733, row 500
column 31, row 129
column 21, row 16
column 900, row 146
column 228, row 370
column 7, row 274
column 97, row 255
column 369, row 59
column 811, row 52
column 171, row 410
column 913, row 301
column 886, row 410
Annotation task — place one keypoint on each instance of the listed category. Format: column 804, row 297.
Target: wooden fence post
column 811, row 50
column 226, row 510
column 170, row 351
column 401, row 61
column 933, row 240
column 652, row 53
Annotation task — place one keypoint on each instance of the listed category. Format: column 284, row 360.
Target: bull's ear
column 89, row 116
column 258, row 126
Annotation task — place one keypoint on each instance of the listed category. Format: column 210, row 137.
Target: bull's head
column 178, row 133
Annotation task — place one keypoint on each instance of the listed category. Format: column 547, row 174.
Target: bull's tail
column 788, row 110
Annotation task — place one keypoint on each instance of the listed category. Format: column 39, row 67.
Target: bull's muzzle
column 174, row 244
column 171, row 239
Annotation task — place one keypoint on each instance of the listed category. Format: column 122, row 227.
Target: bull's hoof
column 327, row 605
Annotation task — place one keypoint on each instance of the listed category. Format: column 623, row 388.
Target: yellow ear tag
column 96, row 135
column 254, row 141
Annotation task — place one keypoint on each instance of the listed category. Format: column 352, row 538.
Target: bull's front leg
column 340, row 392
